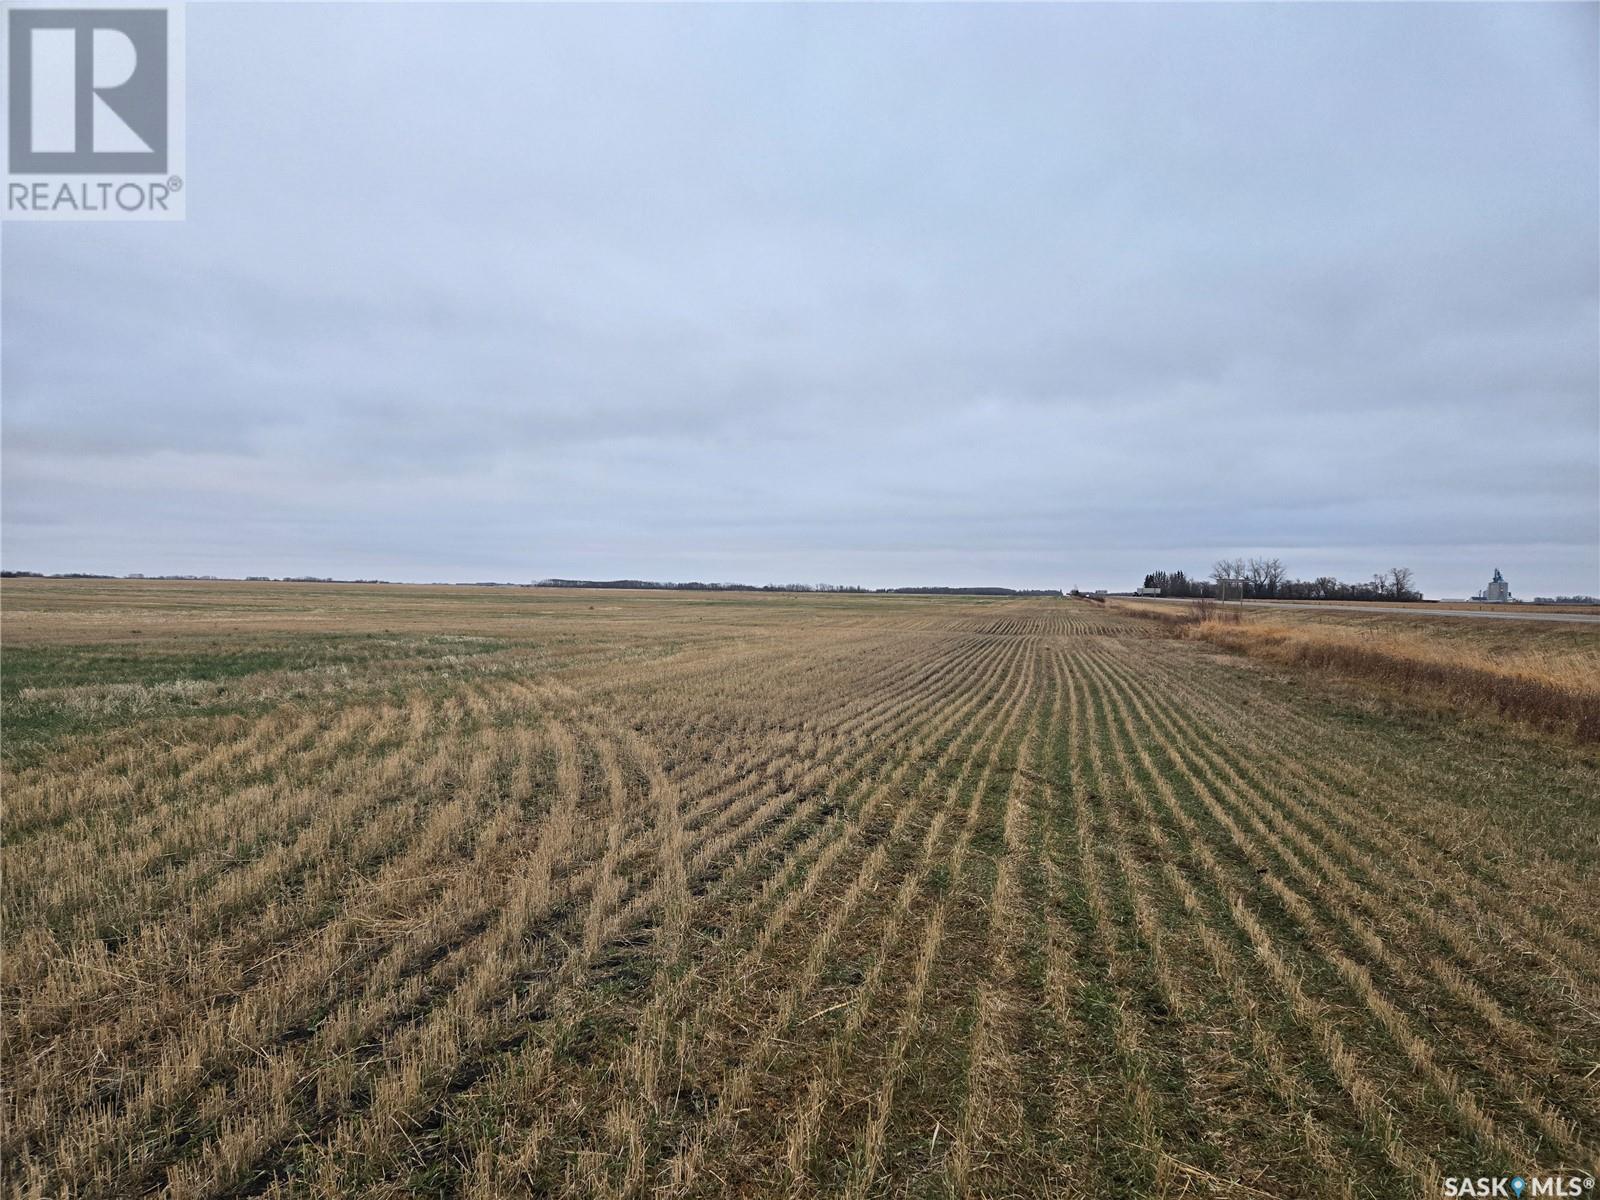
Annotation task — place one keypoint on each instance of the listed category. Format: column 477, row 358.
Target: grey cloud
column 1014, row 294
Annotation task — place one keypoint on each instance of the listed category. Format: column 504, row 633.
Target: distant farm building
column 1146, row 591
column 1498, row 591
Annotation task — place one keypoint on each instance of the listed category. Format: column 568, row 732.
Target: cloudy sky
column 1027, row 295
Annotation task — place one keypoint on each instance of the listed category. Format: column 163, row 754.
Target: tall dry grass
column 1551, row 693
column 1555, row 690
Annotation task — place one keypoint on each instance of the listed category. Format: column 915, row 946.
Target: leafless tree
column 1227, row 568
column 1400, row 580
column 1265, row 574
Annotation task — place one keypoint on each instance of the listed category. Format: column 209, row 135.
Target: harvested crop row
column 679, row 897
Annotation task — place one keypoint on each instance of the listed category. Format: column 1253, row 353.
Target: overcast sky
column 1025, row 295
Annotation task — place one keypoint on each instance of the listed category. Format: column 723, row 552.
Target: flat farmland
column 320, row 890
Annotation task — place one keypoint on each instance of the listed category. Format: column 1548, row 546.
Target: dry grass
column 1529, row 608
column 1539, row 675
column 411, row 892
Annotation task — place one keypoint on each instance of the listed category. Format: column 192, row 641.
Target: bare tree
column 1400, row 579
column 1256, row 573
column 1265, row 574
column 1227, row 568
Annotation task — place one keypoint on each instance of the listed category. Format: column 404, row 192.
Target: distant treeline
column 658, row 585
column 655, row 585
column 192, row 578
column 1268, row 579
column 970, row 591
column 62, row 575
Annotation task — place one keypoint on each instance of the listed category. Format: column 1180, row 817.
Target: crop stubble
column 808, row 898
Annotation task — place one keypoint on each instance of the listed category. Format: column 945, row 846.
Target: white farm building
column 1498, row 590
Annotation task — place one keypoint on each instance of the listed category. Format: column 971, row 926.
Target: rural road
column 1410, row 610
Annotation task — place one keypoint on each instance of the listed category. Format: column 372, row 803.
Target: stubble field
column 334, row 891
